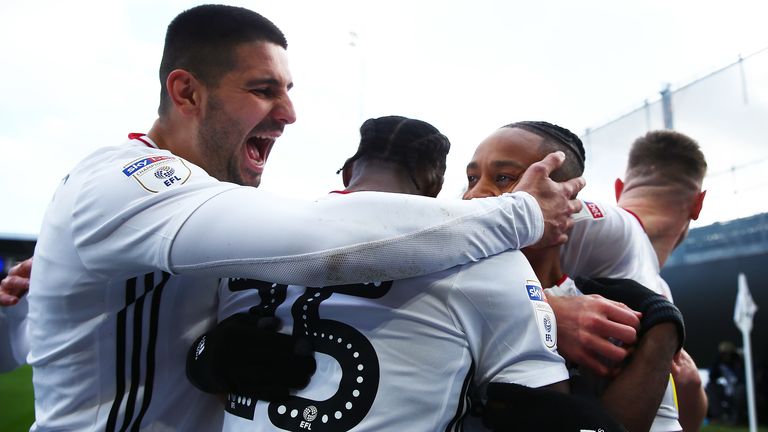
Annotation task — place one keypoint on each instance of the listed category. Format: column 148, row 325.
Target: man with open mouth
column 137, row 235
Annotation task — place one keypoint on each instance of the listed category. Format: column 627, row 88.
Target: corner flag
column 742, row 315
column 745, row 307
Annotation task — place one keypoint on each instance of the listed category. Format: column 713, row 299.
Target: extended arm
column 372, row 236
column 218, row 229
column 365, row 236
column 635, row 394
column 691, row 398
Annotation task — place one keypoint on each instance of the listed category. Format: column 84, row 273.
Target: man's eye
column 262, row 92
column 471, row 179
column 504, row 179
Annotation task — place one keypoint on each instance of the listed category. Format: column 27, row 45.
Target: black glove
column 656, row 309
column 245, row 355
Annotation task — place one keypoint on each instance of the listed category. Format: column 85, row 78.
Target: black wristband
column 659, row 310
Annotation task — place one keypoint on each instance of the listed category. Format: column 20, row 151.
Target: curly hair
column 415, row 145
column 558, row 138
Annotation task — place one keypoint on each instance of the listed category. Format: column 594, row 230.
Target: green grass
column 720, row 428
column 16, row 400
column 16, row 404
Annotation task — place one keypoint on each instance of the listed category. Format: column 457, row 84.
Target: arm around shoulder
column 356, row 238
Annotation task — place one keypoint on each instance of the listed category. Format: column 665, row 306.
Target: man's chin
column 254, row 180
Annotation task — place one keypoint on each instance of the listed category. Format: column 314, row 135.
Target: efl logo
column 534, row 291
column 594, row 210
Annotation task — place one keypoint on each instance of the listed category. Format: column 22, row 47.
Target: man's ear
column 434, row 186
column 697, row 205
column 618, row 188
column 185, row 91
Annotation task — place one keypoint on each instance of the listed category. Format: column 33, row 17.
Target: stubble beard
column 217, row 137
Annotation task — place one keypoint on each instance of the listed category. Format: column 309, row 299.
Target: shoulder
column 496, row 270
column 117, row 176
column 604, row 223
column 595, row 212
column 498, row 284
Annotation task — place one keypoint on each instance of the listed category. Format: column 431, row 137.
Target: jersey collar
column 636, row 217
column 143, row 138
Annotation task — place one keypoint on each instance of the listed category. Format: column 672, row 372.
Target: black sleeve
column 513, row 407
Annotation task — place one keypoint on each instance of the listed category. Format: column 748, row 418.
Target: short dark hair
column 668, row 155
column 202, row 40
column 415, row 145
column 558, row 138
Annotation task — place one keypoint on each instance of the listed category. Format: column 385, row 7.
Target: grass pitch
column 16, row 400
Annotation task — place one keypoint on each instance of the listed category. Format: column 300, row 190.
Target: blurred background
column 79, row 75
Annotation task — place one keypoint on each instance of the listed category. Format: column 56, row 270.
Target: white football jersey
column 401, row 356
column 14, row 345
column 608, row 241
column 134, row 241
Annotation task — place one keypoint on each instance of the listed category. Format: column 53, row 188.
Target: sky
column 80, row 75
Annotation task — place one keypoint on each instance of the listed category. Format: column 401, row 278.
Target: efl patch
column 545, row 318
column 157, row 173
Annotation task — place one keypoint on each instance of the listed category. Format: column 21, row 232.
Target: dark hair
column 669, row 155
column 415, row 145
column 202, row 40
column 558, row 138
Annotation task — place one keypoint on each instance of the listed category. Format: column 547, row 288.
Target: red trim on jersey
column 342, row 192
column 636, row 217
column 138, row 136
column 562, row 280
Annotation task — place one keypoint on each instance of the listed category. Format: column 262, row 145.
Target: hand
column 586, row 326
column 684, row 370
column 692, row 399
column 244, row 354
column 556, row 200
column 656, row 309
column 14, row 286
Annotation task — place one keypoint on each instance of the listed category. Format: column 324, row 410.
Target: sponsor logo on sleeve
column 137, row 165
column 533, row 288
column 545, row 317
column 589, row 212
column 157, row 173
column 594, row 210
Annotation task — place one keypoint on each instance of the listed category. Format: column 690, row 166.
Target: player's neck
column 663, row 221
column 157, row 133
column 381, row 181
column 168, row 133
column 546, row 265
